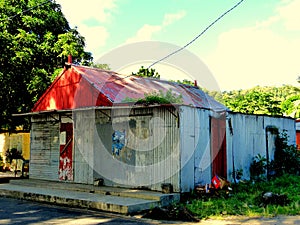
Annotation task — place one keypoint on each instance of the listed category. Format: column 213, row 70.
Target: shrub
column 286, row 157
column 258, row 168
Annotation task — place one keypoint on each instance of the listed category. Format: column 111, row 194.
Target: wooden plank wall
column 44, row 153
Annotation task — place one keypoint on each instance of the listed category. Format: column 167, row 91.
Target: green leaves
column 35, row 40
column 260, row 100
column 146, row 72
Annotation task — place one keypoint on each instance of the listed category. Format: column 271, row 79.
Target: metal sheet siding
column 44, row 148
column 195, row 147
column 150, row 155
column 84, row 146
column 248, row 139
column 188, row 124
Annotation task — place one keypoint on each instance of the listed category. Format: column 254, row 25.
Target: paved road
column 13, row 211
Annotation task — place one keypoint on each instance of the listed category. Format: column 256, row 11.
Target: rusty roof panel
column 82, row 86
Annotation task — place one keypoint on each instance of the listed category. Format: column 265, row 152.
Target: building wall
column 250, row 135
column 195, row 147
column 137, row 147
column 44, row 154
column 84, row 124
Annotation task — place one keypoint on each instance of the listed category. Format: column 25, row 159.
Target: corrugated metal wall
column 249, row 138
column 83, row 156
column 44, row 154
column 149, row 155
column 195, row 147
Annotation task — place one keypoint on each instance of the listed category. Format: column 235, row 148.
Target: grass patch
column 246, row 200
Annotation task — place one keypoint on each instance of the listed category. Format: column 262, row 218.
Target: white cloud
column 253, row 56
column 95, row 37
column 79, row 11
column 290, row 14
column 146, row 32
column 173, row 17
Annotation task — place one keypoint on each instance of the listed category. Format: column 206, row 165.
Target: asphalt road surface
column 14, row 211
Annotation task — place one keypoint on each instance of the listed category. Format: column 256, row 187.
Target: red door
column 218, row 146
column 66, row 152
column 298, row 139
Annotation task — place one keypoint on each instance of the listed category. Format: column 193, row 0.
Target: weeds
column 157, row 98
column 246, row 199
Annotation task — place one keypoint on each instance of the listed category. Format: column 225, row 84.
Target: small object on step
column 98, row 182
column 166, row 188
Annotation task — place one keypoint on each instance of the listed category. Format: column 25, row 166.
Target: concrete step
column 164, row 199
column 110, row 199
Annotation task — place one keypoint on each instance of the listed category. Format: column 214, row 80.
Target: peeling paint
column 118, row 141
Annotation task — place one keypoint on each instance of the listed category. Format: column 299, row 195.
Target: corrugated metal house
column 82, row 131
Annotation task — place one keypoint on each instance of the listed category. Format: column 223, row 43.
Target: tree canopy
column 146, row 72
column 275, row 101
column 35, row 41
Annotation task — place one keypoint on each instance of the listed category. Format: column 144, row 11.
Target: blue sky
column 258, row 43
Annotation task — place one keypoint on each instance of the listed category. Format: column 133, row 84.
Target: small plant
column 157, row 98
column 237, row 175
column 258, row 168
column 13, row 154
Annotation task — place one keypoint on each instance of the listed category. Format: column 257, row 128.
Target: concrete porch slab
column 110, row 199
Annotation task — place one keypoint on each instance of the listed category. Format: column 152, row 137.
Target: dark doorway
column 218, row 146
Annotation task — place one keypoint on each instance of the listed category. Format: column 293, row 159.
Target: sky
column 257, row 43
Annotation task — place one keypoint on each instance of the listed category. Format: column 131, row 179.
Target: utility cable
column 27, row 10
column 199, row 35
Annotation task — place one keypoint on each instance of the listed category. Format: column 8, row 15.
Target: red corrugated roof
column 80, row 86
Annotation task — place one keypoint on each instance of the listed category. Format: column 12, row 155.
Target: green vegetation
column 275, row 101
column 146, row 72
column 184, row 81
column 247, row 199
column 156, row 98
column 35, row 40
column 13, row 154
column 280, row 176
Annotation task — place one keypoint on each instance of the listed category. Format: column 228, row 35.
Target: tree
column 291, row 106
column 146, row 72
column 184, row 81
column 102, row 66
column 35, row 40
column 273, row 101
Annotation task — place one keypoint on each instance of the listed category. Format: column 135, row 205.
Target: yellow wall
column 20, row 141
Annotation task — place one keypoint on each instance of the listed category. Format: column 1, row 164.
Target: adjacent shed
column 82, row 131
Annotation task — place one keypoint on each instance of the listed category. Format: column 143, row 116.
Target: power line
column 27, row 10
column 199, row 35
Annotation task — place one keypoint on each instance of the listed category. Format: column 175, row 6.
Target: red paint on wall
column 298, row 139
column 218, row 146
column 66, row 152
